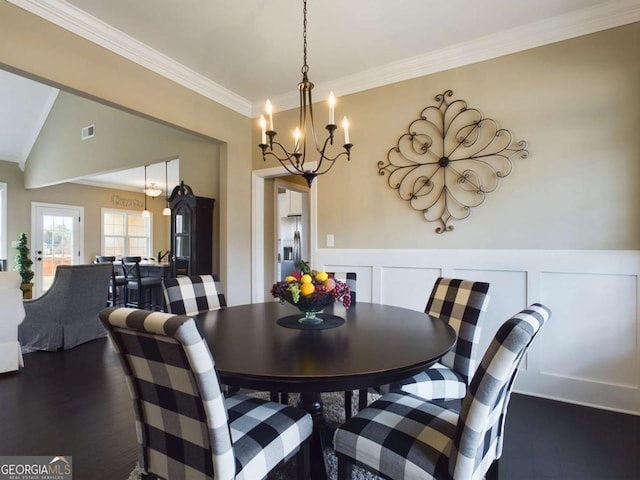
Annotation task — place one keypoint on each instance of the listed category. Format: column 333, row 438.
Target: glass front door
column 56, row 241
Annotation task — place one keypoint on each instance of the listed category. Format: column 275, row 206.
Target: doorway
column 57, row 240
column 259, row 289
column 291, row 227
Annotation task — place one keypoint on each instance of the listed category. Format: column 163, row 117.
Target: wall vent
column 88, row 132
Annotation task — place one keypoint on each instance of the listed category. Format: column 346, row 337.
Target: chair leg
column 492, row 473
column 345, row 468
column 279, row 397
column 230, row 390
column 363, row 399
column 303, row 461
column 348, row 396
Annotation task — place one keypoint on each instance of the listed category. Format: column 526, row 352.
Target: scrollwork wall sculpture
column 449, row 160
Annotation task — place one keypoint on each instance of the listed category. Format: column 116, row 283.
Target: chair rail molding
column 589, row 353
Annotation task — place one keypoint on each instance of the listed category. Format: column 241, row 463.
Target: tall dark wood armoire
column 191, row 232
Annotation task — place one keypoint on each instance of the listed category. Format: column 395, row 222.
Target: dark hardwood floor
column 76, row 403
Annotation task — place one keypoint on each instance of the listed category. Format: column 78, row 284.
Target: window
column 125, row 233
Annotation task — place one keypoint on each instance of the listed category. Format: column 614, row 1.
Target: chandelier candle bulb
column 345, row 126
column 269, row 110
column 296, row 137
column 332, row 104
column 263, row 126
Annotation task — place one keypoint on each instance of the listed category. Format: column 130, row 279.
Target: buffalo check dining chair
column 192, row 295
column 462, row 304
column 185, row 427
column 403, row 436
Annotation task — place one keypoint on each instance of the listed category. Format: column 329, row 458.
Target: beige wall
column 121, row 140
column 93, row 199
column 32, row 46
column 576, row 103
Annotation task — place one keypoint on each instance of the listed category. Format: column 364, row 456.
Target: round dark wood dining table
column 375, row 345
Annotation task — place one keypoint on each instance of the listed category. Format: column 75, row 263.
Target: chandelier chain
column 305, row 67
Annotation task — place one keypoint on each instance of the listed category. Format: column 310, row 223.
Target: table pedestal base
column 321, row 437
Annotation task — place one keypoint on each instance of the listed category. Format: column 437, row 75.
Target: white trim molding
column 582, row 22
column 564, row 27
column 73, row 19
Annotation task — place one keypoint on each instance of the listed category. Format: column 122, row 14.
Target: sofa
column 11, row 315
column 66, row 315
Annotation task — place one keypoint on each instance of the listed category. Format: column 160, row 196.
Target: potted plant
column 23, row 266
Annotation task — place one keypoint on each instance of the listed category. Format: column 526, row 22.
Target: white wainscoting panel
column 407, row 287
column 588, row 353
column 599, row 345
column 508, row 296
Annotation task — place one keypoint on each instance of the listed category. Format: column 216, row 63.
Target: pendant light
column 145, row 212
column 167, row 210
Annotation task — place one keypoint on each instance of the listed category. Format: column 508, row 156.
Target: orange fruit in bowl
column 329, row 284
column 307, row 289
column 306, row 278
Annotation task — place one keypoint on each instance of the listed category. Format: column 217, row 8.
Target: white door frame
column 77, row 259
column 257, row 225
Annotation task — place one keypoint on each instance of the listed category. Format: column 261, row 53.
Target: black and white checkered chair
column 186, row 428
column 350, row 278
column 403, row 436
column 462, row 304
column 193, row 295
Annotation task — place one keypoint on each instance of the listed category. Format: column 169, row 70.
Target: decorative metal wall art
column 449, row 160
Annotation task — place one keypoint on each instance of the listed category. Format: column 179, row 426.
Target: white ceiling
column 240, row 52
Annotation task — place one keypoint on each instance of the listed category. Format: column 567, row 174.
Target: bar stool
column 139, row 290
column 118, row 284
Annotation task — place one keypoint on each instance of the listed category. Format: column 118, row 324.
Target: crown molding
column 90, row 28
column 583, row 22
column 564, row 27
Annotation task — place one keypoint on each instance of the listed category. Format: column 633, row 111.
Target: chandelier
column 294, row 161
column 152, row 190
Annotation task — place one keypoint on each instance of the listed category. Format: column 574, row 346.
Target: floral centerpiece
column 311, row 291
